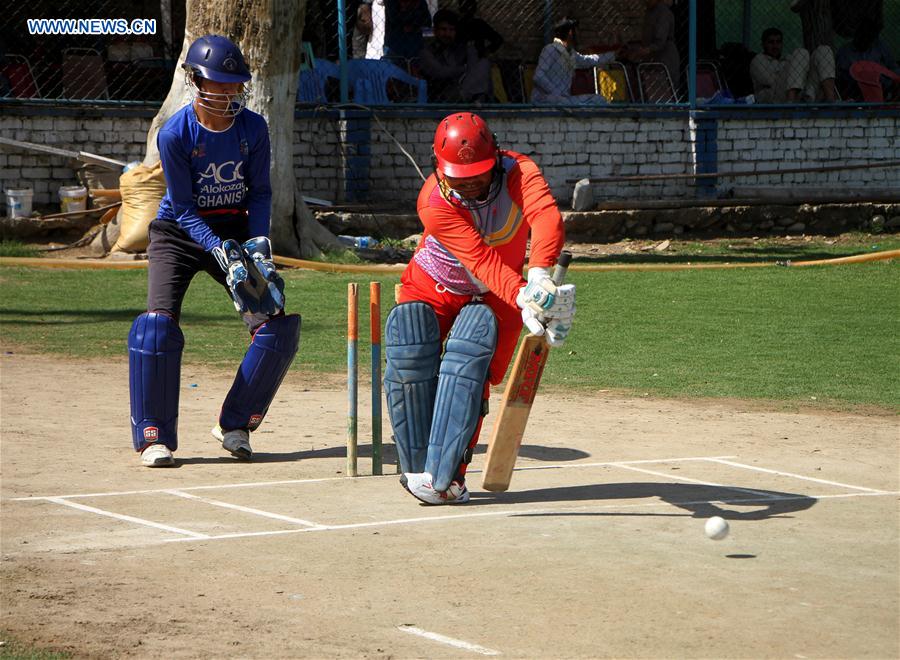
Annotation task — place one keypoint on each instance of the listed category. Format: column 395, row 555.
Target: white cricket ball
column 716, row 528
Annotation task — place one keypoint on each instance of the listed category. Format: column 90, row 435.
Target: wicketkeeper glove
column 231, row 259
column 259, row 249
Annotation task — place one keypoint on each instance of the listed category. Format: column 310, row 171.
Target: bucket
column 72, row 198
column 19, row 202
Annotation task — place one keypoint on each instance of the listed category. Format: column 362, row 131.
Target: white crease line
column 526, row 512
column 795, row 476
column 119, row 516
column 559, row 466
column 674, row 477
column 325, row 479
column 151, row 491
column 245, row 509
column 450, row 641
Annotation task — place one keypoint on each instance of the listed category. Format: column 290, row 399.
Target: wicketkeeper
column 214, row 217
column 479, row 208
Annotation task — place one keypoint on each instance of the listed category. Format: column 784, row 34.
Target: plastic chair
column 307, row 58
column 84, row 76
column 707, row 85
column 372, row 82
column 313, row 85
column 583, row 82
column 655, row 83
column 499, row 88
column 22, row 84
column 613, row 82
column 868, row 75
column 526, row 73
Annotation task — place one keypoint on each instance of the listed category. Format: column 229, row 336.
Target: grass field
column 822, row 336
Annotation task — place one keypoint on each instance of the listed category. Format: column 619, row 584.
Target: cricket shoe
column 236, row 441
column 157, row 455
column 419, row 486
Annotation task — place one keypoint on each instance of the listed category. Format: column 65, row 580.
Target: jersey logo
column 220, row 185
column 227, row 172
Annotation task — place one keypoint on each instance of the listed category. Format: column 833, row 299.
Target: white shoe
column 236, row 441
column 157, row 455
column 419, row 486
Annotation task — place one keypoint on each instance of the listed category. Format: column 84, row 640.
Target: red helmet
column 464, row 146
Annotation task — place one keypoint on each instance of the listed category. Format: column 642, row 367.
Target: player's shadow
column 731, row 503
column 388, row 455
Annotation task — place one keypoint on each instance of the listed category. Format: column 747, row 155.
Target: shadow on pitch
column 731, row 503
column 388, row 455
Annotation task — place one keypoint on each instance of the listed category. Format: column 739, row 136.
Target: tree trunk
column 268, row 33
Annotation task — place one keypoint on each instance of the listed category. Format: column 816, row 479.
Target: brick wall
column 566, row 148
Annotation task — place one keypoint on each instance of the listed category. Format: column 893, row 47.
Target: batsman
column 463, row 300
column 214, row 217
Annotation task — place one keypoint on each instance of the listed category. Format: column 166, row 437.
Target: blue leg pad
column 412, row 341
column 263, row 368
column 155, row 344
column 457, row 407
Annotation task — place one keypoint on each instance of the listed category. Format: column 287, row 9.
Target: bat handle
column 562, row 265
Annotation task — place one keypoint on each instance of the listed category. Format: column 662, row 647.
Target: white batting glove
column 558, row 330
column 539, row 292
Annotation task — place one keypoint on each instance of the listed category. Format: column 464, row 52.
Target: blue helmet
column 217, row 58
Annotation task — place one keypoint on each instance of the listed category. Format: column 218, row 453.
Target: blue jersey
column 208, row 171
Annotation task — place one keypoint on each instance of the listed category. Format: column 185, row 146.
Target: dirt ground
column 596, row 551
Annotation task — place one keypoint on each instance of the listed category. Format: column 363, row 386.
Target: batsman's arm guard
column 155, row 344
column 412, row 346
column 458, row 403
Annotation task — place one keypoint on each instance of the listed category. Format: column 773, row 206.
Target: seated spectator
column 476, row 30
column 866, row 45
column 658, row 39
column 404, row 22
column 800, row 77
column 454, row 71
column 556, row 68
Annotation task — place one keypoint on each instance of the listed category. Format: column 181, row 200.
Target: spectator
column 476, row 30
column 404, row 21
column 866, row 45
column 800, row 77
column 362, row 29
column 375, row 46
column 658, row 39
column 556, row 68
column 454, row 71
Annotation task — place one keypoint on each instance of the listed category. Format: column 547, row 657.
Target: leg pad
column 458, row 403
column 155, row 344
column 263, row 368
column 413, row 353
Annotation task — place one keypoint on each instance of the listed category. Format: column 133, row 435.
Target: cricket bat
column 509, row 427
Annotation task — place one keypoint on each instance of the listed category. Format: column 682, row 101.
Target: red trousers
column 419, row 286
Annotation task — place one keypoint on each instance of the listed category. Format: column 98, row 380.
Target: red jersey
column 472, row 251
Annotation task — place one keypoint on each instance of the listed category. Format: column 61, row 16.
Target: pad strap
column 457, row 408
column 412, row 346
column 155, row 344
column 260, row 374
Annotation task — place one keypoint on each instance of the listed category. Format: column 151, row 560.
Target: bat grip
column 562, row 265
